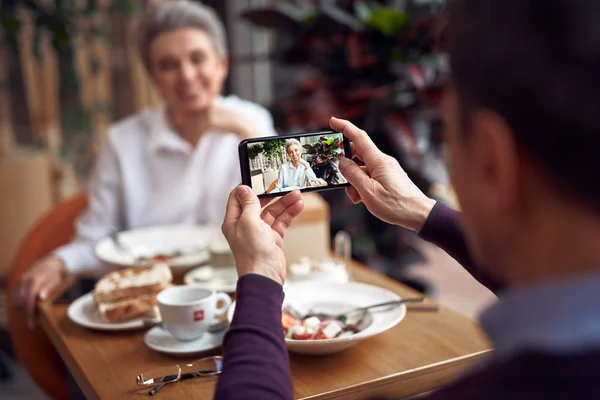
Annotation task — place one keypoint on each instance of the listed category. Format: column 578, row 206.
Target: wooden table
column 422, row 353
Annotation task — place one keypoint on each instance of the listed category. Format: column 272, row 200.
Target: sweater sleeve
column 442, row 228
column 256, row 363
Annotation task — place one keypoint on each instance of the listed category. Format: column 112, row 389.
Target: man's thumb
column 354, row 174
column 248, row 199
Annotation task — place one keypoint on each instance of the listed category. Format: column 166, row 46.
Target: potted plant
column 274, row 150
column 254, row 151
column 372, row 62
column 323, row 157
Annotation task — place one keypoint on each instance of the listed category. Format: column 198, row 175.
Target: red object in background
column 33, row 348
column 198, row 315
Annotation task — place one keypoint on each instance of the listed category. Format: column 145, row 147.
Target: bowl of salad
column 319, row 318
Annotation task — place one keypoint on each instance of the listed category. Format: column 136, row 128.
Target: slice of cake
column 129, row 293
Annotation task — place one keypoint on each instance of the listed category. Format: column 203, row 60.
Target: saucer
column 159, row 339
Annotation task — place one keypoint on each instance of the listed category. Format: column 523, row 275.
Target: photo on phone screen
column 306, row 161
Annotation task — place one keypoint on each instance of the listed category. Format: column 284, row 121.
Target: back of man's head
column 537, row 64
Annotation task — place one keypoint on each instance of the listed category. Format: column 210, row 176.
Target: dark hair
column 537, row 64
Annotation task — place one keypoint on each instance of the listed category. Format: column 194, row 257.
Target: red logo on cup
column 198, row 315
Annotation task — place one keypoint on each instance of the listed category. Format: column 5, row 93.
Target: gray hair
column 167, row 16
column 292, row 142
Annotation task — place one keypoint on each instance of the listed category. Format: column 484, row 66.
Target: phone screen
column 274, row 165
column 77, row 289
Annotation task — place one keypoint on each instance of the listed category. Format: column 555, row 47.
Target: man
column 522, row 116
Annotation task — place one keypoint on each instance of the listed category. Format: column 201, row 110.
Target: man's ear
column 496, row 155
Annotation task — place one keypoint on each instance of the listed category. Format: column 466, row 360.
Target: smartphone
column 78, row 288
column 308, row 162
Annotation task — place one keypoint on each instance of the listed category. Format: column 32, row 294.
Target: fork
column 365, row 309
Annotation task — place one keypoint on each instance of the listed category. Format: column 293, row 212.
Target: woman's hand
column 225, row 120
column 37, row 282
column 256, row 237
column 381, row 183
column 304, row 162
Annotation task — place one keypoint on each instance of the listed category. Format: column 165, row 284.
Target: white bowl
column 339, row 298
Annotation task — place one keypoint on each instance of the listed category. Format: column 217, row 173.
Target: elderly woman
column 295, row 173
column 173, row 163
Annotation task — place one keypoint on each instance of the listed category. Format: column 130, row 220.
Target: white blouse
column 290, row 176
column 146, row 174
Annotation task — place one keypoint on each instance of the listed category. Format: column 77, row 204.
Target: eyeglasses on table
column 159, row 377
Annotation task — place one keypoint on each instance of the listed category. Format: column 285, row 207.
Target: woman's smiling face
column 294, row 153
column 187, row 69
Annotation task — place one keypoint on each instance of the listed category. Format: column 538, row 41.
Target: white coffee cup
column 187, row 311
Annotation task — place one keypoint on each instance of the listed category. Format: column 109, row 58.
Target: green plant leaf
column 129, row 7
column 60, row 36
column 309, row 18
column 10, row 24
column 387, row 21
column 254, row 151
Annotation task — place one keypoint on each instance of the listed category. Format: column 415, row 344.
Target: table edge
column 377, row 387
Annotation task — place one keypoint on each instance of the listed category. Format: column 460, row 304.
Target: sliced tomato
column 320, row 336
column 160, row 258
column 301, row 336
column 288, row 321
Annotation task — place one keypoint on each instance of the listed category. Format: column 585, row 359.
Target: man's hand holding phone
column 255, row 235
column 381, row 184
column 270, row 166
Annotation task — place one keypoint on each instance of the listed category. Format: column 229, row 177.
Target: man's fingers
column 364, row 147
column 353, row 194
column 355, row 174
column 274, row 210
column 241, row 199
column 285, row 219
column 248, row 200
column 234, row 208
column 266, row 201
column 353, row 152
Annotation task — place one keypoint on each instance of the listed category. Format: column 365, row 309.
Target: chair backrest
column 32, row 347
column 272, row 186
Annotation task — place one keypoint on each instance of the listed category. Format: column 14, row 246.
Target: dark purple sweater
column 257, row 365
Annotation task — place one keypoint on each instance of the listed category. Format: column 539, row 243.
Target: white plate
column 191, row 240
column 84, row 313
column 159, row 339
column 338, row 297
column 219, row 279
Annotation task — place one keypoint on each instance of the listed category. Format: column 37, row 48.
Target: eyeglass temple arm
column 187, row 375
